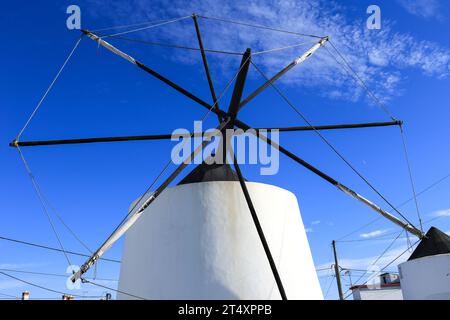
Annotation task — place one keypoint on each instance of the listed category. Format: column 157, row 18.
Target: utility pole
column 336, row 270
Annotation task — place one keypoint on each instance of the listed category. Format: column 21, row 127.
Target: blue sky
column 406, row 63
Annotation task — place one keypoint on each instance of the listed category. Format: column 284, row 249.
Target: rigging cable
column 413, row 188
column 133, row 25
column 377, row 101
column 144, row 28
column 400, row 205
column 358, row 79
column 283, row 48
column 259, row 26
column 48, row 274
column 44, row 207
column 49, row 87
column 169, row 45
column 330, row 145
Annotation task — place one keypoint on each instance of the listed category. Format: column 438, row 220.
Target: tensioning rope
column 411, row 180
column 259, row 26
column 144, row 28
column 378, row 102
column 49, row 88
column 322, row 137
column 44, row 207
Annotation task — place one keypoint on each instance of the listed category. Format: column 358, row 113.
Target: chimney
column 67, row 297
column 25, row 295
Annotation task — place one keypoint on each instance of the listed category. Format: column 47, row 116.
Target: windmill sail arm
column 140, row 210
column 411, row 229
column 335, row 126
column 295, row 62
column 408, row 227
column 137, row 63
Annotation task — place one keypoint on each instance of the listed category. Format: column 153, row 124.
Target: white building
column 388, row 289
column 198, row 241
column 426, row 274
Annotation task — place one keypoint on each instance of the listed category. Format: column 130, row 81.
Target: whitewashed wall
column 426, row 278
column 198, row 241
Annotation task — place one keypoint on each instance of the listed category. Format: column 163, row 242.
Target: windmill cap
column 435, row 242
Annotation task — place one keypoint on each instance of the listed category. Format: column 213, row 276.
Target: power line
column 49, row 274
column 392, row 261
column 112, row 289
column 52, row 248
column 379, row 257
column 42, row 287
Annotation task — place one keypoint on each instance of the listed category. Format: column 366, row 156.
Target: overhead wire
column 112, row 289
column 379, row 257
column 52, row 248
column 47, row 274
column 42, row 287
column 390, row 262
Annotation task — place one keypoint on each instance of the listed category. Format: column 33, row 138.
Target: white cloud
column 379, row 57
column 373, row 234
column 308, row 230
column 315, row 222
column 422, row 8
column 441, row 213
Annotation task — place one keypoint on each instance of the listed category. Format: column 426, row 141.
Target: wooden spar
column 336, row 126
column 295, row 62
column 140, row 210
column 239, row 85
column 36, row 143
column 260, row 231
column 205, row 65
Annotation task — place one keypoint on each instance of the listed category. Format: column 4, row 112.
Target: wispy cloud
column 441, row 213
column 422, row 8
column 373, row 234
column 315, row 222
column 379, row 57
column 308, row 230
